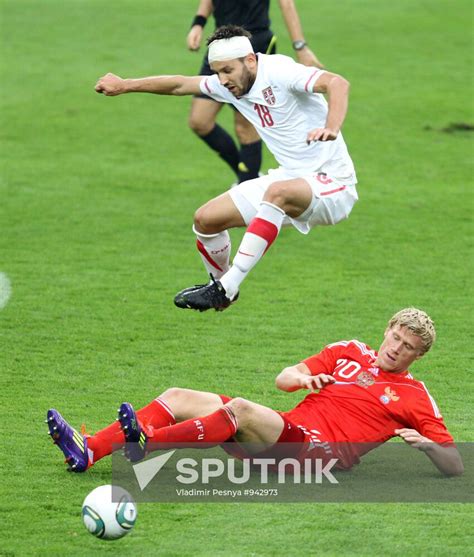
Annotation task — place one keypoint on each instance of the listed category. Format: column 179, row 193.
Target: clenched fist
column 110, row 85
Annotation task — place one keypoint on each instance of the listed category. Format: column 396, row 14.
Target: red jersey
column 365, row 404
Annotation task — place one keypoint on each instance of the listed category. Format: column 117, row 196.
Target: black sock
column 251, row 157
column 221, row 142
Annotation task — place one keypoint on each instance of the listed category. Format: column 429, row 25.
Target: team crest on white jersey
column 269, row 96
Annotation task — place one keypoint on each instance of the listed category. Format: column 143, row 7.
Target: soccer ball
column 105, row 518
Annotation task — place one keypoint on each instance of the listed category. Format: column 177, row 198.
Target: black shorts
column 264, row 42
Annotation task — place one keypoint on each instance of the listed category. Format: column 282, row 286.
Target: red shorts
column 297, row 442
column 292, row 443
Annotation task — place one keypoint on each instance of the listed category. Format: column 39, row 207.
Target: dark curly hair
column 227, row 32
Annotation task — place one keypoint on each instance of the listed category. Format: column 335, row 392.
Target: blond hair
column 418, row 322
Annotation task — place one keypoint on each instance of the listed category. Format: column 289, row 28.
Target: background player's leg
column 250, row 142
column 250, row 148
column 202, row 120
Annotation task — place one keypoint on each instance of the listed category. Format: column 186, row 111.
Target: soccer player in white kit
column 315, row 182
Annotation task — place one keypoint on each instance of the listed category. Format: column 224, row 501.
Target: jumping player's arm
column 336, row 89
column 446, row 458
column 194, row 37
column 299, row 376
column 112, row 85
column 292, row 21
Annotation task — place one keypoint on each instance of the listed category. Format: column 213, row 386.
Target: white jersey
column 283, row 108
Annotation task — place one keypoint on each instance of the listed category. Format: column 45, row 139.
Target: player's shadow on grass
column 453, row 127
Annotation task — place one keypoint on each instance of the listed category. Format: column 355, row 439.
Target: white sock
column 261, row 233
column 214, row 250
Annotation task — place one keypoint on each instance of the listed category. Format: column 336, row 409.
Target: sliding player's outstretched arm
column 446, row 458
column 112, row 85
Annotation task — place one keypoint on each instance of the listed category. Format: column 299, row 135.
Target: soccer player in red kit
column 363, row 399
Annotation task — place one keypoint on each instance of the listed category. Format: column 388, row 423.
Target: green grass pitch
column 96, row 202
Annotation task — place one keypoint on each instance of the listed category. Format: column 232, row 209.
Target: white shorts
column 333, row 198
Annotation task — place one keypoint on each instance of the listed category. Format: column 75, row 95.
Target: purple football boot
column 135, row 448
column 71, row 443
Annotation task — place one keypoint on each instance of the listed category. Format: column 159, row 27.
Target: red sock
column 216, row 428
column 153, row 416
column 157, row 414
column 101, row 443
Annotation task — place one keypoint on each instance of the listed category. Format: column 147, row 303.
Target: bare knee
column 293, row 197
column 211, row 219
column 200, row 125
column 204, row 222
column 217, row 215
column 241, row 408
column 174, row 394
column 185, row 404
column 278, row 193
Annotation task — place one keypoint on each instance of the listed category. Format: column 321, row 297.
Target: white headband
column 229, row 49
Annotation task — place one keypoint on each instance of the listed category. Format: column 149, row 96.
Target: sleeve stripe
column 310, row 78
column 207, row 86
column 436, row 411
column 364, row 348
column 314, row 75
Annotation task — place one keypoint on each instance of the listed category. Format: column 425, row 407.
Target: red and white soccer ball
column 106, row 518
